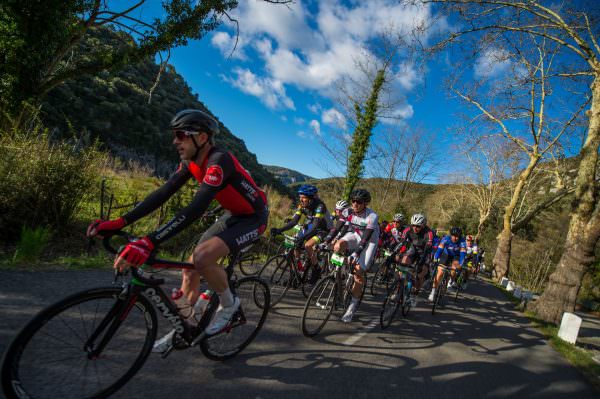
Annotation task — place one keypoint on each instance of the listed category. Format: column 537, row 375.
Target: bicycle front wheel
column 318, row 307
column 277, row 272
column 391, row 303
column 246, row 322
column 54, row 354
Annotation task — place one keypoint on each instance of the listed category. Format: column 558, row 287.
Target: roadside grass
column 581, row 358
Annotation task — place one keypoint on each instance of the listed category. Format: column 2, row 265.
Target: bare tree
column 403, row 156
column 575, row 32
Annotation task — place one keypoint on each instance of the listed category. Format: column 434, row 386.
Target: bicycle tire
column 390, row 304
column 381, row 280
column 277, row 272
column 65, row 327
column 308, row 276
column 406, row 302
column 245, row 324
column 249, row 261
column 322, row 301
column 437, row 300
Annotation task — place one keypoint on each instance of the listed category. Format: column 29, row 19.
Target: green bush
column 31, row 244
column 43, row 183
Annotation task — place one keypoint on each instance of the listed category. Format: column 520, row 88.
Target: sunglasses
column 417, row 225
column 183, row 134
column 359, row 202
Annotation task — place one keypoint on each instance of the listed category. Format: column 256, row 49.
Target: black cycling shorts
column 237, row 231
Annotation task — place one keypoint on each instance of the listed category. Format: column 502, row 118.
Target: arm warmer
column 365, row 239
column 159, row 196
column 291, row 223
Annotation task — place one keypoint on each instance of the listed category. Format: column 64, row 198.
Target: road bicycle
column 440, row 292
column 93, row 342
column 398, row 296
column 384, row 276
column 332, row 292
column 286, row 270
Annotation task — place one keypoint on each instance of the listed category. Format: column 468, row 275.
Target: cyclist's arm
column 159, row 196
column 440, row 249
column 463, row 255
column 219, row 169
column 364, row 241
column 292, row 222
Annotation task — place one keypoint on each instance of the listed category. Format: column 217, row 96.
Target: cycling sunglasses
column 182, row 134
column 359, row 202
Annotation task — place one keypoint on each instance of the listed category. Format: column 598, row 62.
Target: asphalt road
column 477, row 348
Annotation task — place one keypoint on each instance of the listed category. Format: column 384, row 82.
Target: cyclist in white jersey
column 360, row 234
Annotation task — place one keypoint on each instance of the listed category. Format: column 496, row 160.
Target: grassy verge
column 578, row 357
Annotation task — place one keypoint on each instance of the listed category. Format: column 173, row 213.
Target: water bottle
column 183, row 305
column 201, row 304
column 409, row 285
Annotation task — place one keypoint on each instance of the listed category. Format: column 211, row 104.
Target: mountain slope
column 287, row 176
column 116, row 108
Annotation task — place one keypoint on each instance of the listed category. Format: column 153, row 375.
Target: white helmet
column 398, row 217
column 418, row 219
column 341, row 204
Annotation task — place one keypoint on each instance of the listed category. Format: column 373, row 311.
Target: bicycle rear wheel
column 52, row 357
column 439, row 294
column 246, row 322
column 250, row 262
column 392, row 301
column 277, row 272
column 381, row 280
column 318, row 307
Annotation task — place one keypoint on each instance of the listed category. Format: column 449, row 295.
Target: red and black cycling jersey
column 422, row 240
column 221, row 177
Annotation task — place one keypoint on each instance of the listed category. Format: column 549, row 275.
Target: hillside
column 287, row 176
column 116, row 108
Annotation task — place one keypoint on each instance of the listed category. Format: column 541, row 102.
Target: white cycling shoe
column 222, row 316
column 347, row 317
column 431, row 295
column 162, row 344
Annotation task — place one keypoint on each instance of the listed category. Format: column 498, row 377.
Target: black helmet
column 361, row 195
column 196, row 121
column 456, row 231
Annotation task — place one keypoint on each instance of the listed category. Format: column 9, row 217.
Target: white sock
column 226, row 298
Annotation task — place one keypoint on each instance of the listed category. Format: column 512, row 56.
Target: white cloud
column 399, row 115
column 313, row 49
column 314, row 108
column 299, row 121
column 333, row 117
column 492, row 63
column 226, row 44
column 407, row 77
column 316, row 127
column 283, row 118
column 270, row 91
column 301, row 134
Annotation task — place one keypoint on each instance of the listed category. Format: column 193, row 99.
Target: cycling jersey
column 221, row 177
column 422, row 240
column 317, row 219
column 472, row 253
column 395, row 232
column 452, row 250
column 360, row 222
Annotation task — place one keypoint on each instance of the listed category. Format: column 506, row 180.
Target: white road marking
column 372, row 324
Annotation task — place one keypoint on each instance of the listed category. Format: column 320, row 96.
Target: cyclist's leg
column 364, row 261
column 310, row 246
column 190, row 282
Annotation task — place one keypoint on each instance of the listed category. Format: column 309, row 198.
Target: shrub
column 31, row 244
column 43, row 183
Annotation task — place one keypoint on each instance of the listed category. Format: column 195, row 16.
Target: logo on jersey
column 214, row 176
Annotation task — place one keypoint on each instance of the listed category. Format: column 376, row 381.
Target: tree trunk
column 584, row 227
column 561, row 292
column 501, row 259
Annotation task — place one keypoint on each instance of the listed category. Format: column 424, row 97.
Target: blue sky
column 277, row 91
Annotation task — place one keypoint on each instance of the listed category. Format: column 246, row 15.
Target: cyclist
column 221, row 177
column 451, row 252
column 359, row 234
column 316, row 225
column 394, row 229
column 340, row 206
column 421, row 237
column 471, row 258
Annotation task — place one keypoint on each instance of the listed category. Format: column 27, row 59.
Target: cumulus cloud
column 316, row 127
column 312, row 49
column 407, row 77
column 333, row 117
column 301, row 134
column 299, row 121
column 492, row 63
column 270, row 91
column 226, row 44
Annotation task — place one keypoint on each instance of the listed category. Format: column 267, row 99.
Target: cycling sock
column 226, row 298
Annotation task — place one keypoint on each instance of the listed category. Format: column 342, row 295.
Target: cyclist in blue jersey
column 451, row 252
